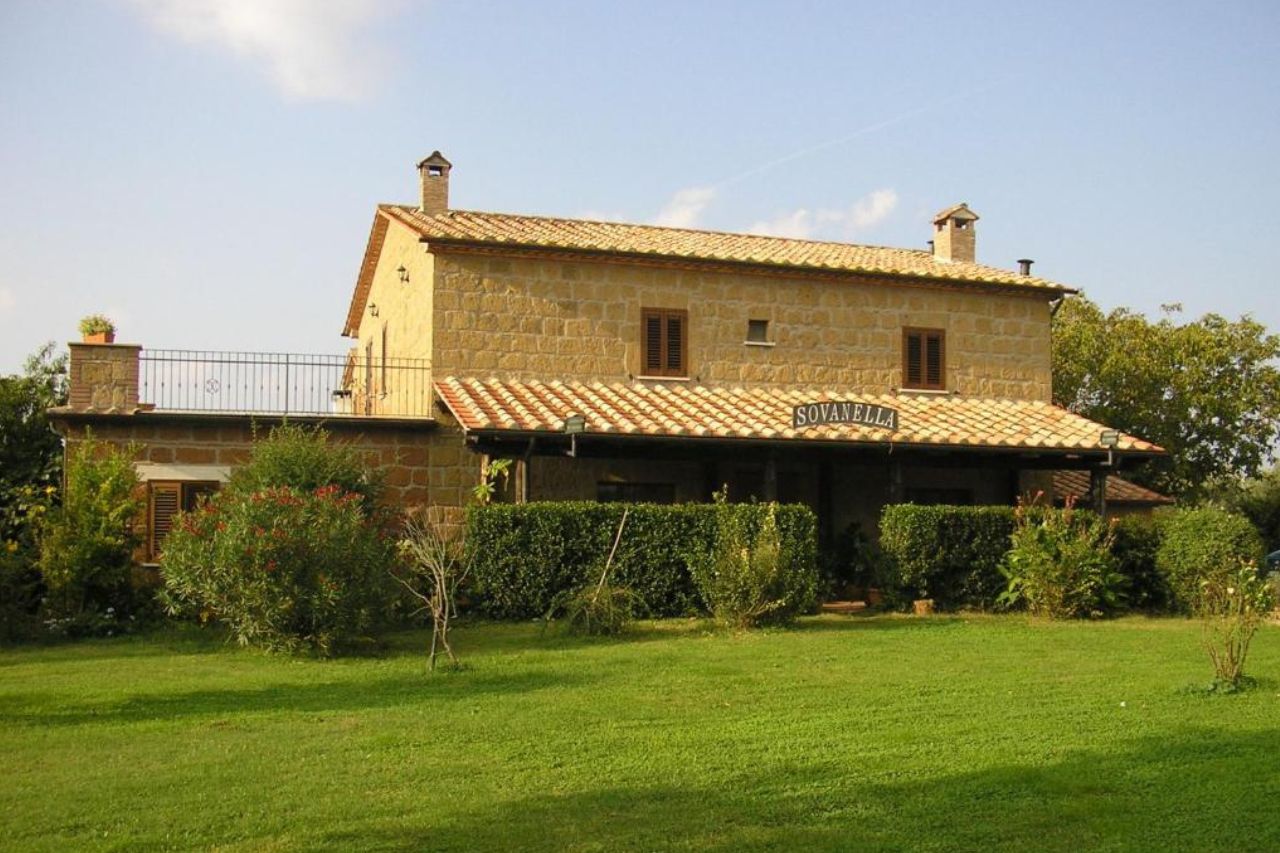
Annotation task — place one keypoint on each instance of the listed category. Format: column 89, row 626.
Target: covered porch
column 846, row 456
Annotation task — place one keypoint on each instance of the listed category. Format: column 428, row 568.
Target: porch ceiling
column 687, row 410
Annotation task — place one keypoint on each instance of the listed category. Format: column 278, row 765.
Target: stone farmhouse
column 616, row 361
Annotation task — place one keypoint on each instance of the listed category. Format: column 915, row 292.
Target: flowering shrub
column 1231, row 605
column 1060, row 564
column 283, row 568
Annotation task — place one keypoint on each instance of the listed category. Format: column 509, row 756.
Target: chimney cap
column 959, row 211
column 435, row 158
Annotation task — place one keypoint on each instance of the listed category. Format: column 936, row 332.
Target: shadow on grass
column 1199, row 790
column 403, row 690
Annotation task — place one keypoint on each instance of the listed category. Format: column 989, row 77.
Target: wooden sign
column 844, row 412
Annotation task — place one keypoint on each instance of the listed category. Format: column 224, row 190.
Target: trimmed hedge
column 1200, row 544
column 528, row 554
column 951, row 554
column 1137, row 538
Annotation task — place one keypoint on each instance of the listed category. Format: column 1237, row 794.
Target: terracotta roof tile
column 684, row 409
column 541, row 232
column 1075, row 484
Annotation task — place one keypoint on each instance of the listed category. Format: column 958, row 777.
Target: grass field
column 845, row 733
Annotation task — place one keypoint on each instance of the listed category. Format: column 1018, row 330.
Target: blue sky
column 205, row 171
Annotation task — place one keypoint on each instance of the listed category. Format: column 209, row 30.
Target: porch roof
column 498, row 407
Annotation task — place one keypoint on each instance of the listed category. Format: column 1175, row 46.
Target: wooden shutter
column 933, row 360
column 653, row 343
column 675, row 344
column 665, row 338
column 165, row 502
column 924, row 359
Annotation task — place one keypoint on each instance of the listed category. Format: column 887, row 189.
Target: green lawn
column 845, row 733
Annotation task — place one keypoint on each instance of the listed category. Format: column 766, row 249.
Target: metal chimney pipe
column 1024, row 266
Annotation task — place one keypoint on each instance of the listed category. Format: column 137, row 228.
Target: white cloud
column 863, row 214
column 311, row 49
column 685, row 208
column 872, row 209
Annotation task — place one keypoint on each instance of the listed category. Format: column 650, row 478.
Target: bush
column 1136, row 540
column 21, row 586
column 283, row 568
column 529, row 555
column 87, row 543
column 1060, row 564
column 1198, row 545
column 852, row 564
column 304, row 458
column 1232, row 603
column 749, row 576
column 951, row 554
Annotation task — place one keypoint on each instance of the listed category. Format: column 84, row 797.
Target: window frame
column 924, row 334
column 664, row 316
column 188, row 492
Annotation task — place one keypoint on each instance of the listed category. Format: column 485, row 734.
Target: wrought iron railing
column 285, row 383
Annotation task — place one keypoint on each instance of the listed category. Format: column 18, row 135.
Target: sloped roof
column 678, row 409
column 542, row 232
column 1075, row 484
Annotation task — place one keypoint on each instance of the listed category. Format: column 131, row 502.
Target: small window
column 757, row 331
column 435, row 171
column 165, row 499
column 665, row 338
column 924, row 359
column 646, row 493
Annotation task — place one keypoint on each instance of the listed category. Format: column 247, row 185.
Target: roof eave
column 1048, row 291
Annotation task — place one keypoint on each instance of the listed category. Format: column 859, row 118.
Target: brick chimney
column 953, row 234
column 434, row 173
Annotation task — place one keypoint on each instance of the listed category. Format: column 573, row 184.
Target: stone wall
column 422, row 464
column 544, row 319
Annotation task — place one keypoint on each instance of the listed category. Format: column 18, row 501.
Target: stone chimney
column 953, row 234
column 434, row 173
column 103, row 378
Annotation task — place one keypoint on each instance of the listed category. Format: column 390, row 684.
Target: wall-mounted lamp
column 404, row 274
column 574, row 425
column 373, row 309
column 1110, row 438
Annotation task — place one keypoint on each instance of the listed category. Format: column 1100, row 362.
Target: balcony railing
column 284, row 383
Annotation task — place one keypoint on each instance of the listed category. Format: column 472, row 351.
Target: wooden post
column 1098, row 491
column 771, row 476
column 895, row 482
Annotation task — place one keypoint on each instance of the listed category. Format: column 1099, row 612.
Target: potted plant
column 97, row 329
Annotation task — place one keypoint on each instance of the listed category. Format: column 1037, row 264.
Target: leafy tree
column 1257, row 499
column 1208, row 391
column 30, row 452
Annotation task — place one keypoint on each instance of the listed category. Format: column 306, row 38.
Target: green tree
column 30, row 451
column 1257, row 499
column 1208, row 391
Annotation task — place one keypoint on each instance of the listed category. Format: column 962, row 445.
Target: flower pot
column 99, row 338
column 923, row 606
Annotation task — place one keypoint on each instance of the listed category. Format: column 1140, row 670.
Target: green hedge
column 951, row 554
column 1199, row 544
column 528, row 554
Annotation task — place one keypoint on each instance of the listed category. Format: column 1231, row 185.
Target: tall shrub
column 951, row 554
column 1204, row 544
column 1060, row 564
column 306, row 458
column 87, row 543
column 749, row 577
column 1136, row 541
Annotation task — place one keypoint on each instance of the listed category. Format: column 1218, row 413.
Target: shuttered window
column 165, row 500
column 924, row 359
column 665, row 336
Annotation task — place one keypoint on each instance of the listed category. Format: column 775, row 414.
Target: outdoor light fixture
column 373, row 309
column 1109, row 438
column 404, row 274
column 573, row 425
